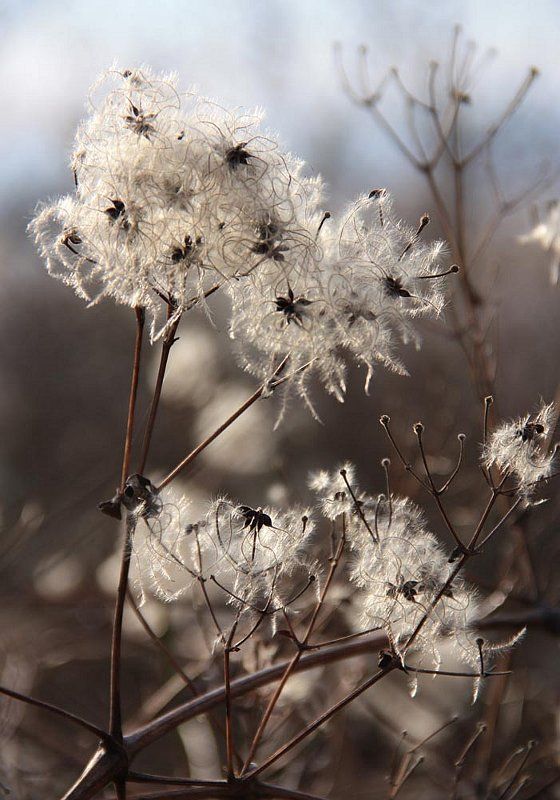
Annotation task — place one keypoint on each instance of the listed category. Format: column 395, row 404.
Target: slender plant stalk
column 296, row 658
column 168, row 342
column 320, row 721
column 154, row 730
column 230, row 748
column 140, row 317
column 115, row 710
column 160, row 645
column 224, row 426
column 60, row 712
column 258, row 791
column 115, row 716
column 143, row 777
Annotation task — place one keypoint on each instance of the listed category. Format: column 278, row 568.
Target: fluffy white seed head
column 176, row 195
column 331, row 487
column 357, row 297
column 259, row 557
column 173, row 193
column 163, row 562
column 401, row 575
column 519, row 449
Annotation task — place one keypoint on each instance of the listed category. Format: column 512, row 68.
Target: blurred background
column 64, row 369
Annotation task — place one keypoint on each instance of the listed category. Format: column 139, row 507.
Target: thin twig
column 115, row 711
column 229, row 421
column 161, row 646
column 296, row 658
column 140, row 317
column 60, row 712
column 168, row 342
column 320, row 720
column 227, row 686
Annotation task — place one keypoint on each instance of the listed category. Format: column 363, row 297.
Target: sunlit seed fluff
column 331, row 487
column 285, row 322
column 356, row 300
column 382, row 277
column 381, row 516
column 259, row 557
column 402, row 573
column 173, row 194
column 176, row 195
column 389, row 259
column 482, row 655
column 519, row 450
column 162, row 561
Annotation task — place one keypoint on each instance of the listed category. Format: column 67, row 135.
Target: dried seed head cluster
column 399, row 566
column 162, row 562
column 519, row 449
column 176, row 195
column 257, row 557
column 260, row 561
column 367, row 281
column 173, row 193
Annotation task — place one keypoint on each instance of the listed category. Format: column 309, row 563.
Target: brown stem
column 143, row 777
column 215, row 723
column 227, row 688
column 115, row 711
column 229, row 421
column 151, row 731
column 296, row 658
column 513, row 105
column 449, row 674
column 61, row 712
column 140, row 317
column 161, row 646
column 517, row 772
column 239, row 791
column 189, row 793
column 321, row 720
column 462, row 757
column 435, row 492
column 459, row 566
column 168, row 342
column 99, row 772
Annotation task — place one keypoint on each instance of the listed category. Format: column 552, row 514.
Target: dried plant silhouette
column 178, row 201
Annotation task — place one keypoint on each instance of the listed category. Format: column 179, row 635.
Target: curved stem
column 60, row 712
column 154, row 730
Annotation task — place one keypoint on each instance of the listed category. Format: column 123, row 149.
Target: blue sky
column 273, row 53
